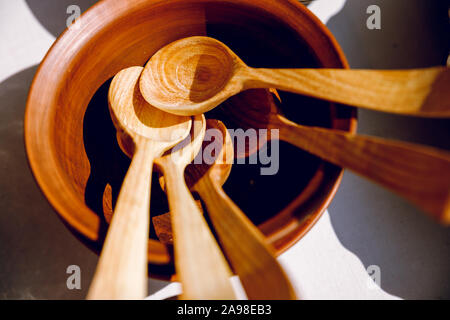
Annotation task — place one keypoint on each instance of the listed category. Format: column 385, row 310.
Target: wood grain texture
column 163, row 226
column 418, row 173
column 252, row 258
column 196, row 74
column 82, row 60
column 200, row 264
column 245, row 246
column 122, row 269
column 418, row 92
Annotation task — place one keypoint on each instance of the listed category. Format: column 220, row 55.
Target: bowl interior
column 82, row 167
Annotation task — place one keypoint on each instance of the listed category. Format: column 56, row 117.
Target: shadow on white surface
column 53, row 14
column 380, row 228
column 35, row 247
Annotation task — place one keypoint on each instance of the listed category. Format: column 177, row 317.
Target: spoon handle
column 251, row 257
column 419, row 174
column 199, row 262
column 122, row 268
column 419, row 92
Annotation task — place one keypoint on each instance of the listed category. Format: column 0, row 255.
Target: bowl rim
column 35, row 158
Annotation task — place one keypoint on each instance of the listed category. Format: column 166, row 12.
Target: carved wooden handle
column 420, row 92
column 122, row 269
column 200, row 264
column 419, row 174
column 252, row 258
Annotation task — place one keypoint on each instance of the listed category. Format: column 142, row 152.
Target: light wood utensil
column 245, row 246
column 199, row 262
column 163, row 223
column 194, row 75
column 418, row 173
column 149, row 132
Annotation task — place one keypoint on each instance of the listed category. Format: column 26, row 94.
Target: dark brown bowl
column 70, row 139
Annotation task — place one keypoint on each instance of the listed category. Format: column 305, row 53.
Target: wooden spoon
column 163, row 223
column 418, row 173
column 194, row 75
column 199, row 262
column 122, row 269
column 245, row 246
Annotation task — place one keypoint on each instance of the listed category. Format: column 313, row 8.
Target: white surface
column 24, row 40
column 319, row 268
column 319, row 265
column 325, row 9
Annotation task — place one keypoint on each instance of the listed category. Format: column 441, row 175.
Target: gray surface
column 35, row 247
column 380, row 228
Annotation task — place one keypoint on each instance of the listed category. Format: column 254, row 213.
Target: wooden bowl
column 70, row 139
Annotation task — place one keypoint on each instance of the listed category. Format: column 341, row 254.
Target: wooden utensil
column 251, row 257
column 60, row 139
column 418, row 173
column 245, row 246
column 122, row 269
column 163, row 224
column 194, row 75
column 199, row 262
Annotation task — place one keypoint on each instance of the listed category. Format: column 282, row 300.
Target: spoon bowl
column 193, row 72
column 71, row 142
column 199, row 262
column 218, row 163
column 134, row 117
column 196, row 74
column 418, row 173
column 122, row 269
column 252, row 258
